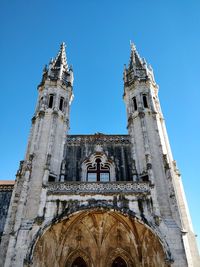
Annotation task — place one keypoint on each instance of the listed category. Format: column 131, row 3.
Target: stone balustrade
column 125, row 187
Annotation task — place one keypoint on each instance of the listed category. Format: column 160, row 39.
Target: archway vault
column 99, row 237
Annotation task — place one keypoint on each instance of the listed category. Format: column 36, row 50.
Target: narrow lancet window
column 61, row 103
column 145, row 103
column 50, row 101
column 134, row 103
column 41, row 102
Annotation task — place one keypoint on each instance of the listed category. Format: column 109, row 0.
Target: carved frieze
column 97, row 138
column 6, row 187
column 99, row 188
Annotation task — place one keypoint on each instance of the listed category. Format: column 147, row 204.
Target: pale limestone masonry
column 98, row 200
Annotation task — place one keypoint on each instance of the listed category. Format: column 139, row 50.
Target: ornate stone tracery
column 93, row 235
column 98, row 163
column 76, row 254
column 97, row 138
column 135, row 188
column 119, row 252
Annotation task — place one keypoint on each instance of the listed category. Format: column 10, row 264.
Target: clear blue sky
column 97, row 33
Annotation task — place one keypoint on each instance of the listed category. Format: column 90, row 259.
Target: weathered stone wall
column 5, row 197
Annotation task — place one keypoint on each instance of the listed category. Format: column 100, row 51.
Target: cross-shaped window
column 98, row 172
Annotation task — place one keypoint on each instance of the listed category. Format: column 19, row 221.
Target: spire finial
column 63, row 52
column 61, row 57
column 133, row 46
column 62, row 46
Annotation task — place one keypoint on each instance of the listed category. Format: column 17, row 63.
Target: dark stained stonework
column 80, row 147
column 5, row 196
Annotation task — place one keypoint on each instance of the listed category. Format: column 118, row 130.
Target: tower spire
column 58, row 68
column 137, row 68
column 61, row 58
column 135, row 60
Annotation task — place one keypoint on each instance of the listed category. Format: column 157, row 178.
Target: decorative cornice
column 6, row 187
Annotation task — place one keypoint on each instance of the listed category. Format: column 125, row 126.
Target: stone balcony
column 119, row 187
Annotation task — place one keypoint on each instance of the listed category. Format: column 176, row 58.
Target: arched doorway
column 119, row 262
column 79, row 262
column 94, row 238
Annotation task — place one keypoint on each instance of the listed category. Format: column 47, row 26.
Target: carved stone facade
column 99, row 237
column 6, row 188
column 114, row 151
column 97, row 200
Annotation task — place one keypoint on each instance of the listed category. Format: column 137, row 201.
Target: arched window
column 119, row 262
column 50, row 101
column 134, row 103
column 98, row 168
column 98, row 171
column 145, row 103
column 79, row 262
column 40, row 102
column 61, row 103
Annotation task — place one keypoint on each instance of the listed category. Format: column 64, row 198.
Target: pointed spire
column 137, row 68
column 133, row 46
column 58, row 68
column 61, row 57
column 135, row 60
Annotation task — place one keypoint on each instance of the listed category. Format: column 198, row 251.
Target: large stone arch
column 98, row 235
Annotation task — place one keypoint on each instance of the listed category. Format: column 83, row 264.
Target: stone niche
column 98, row 239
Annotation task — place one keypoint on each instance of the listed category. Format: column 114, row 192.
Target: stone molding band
column 98, row 187
column 97, row 138
column 6, row 187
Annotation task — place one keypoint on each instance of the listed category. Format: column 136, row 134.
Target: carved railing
column 97, row 138
column 98, row 187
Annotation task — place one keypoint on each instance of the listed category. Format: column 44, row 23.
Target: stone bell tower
column 153, row 159
column 49, row 126
column 44, row 154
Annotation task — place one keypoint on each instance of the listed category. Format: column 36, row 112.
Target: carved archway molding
column 78, row 253
column 91, row 161
column 119, row 252
column 86, row 208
